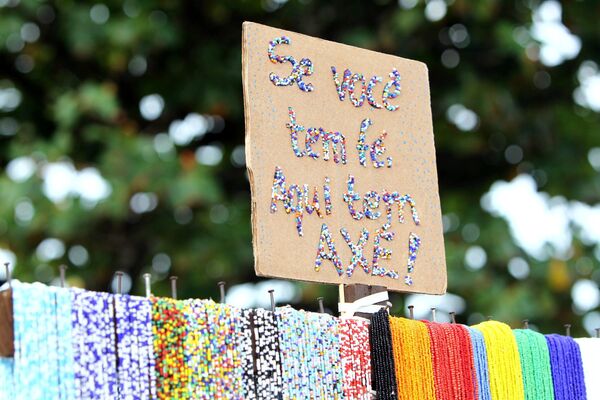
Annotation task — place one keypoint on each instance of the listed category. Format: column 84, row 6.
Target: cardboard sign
column 341, row 162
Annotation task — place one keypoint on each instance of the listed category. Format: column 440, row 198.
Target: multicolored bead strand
column 225, row 369
column 170, row 329
column 196, row 349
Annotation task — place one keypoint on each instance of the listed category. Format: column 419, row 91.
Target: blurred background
column 121, row 145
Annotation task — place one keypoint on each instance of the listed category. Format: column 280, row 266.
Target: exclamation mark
column 414, row 242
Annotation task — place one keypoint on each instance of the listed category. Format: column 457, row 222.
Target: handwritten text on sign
column 343, row 182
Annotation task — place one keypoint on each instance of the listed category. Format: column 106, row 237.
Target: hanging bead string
column 361, row 337
column 134, row 347
column 463, row 353
column 43, row 361
column 94, row 337
column 291, row 347
column 384, row 381
column 535, row 364
column 440, row 347
column 77, row 338
column 169, row 331
column 8, row 388
column 323, row 361
column 94, row 330
column 246, row 343
column 413, row 359
column 481, row 366
column 142, row 309
column 355, row 358
column 27, row 363
column 332, row 365
column 64, row 347
column 315, row 371
column 126, row 363
column 567, row 370
column 48, row 343
column 226, row 369
column 506, row 378
column 268, row 357
column 310, row 353
column 349, row 364
column 452, row 361
column 196, row 349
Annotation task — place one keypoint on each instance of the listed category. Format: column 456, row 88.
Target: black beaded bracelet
column 382, row 358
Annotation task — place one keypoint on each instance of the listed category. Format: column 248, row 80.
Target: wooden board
column 282, row 116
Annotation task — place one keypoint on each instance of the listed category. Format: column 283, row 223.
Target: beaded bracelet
column 125, row 344
column 291, row 346
column 196, row 349
column 7, row 389
column 226, row 367
column 134, row 347
column 382, row 359
column 169, row 332
column 246, row 348
column 454, row 370
column 331, row 360
column 310, row 352
column 43, row 360
column 143, row 332
column 94, row 341
column 64, row 345
column 268, row 357
column 355, row 358
column 567, row 370
column 27, row 336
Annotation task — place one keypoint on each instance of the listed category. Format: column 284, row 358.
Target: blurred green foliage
column 82, row 78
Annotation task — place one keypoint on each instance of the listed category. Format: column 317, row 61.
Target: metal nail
column 452, row 316
column 321, row 306
column 119, row 275
column 568, row 329
column 433, row 310
column 8, row 274
column 63, row 275
column 525, row 324
column 411, row 311
column 147, row 283
column 173, row 287
column 222, row 291
column 272, row 295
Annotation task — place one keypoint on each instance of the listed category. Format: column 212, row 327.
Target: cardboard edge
column 248, row 23
column 443, row 288
column 246, row 26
